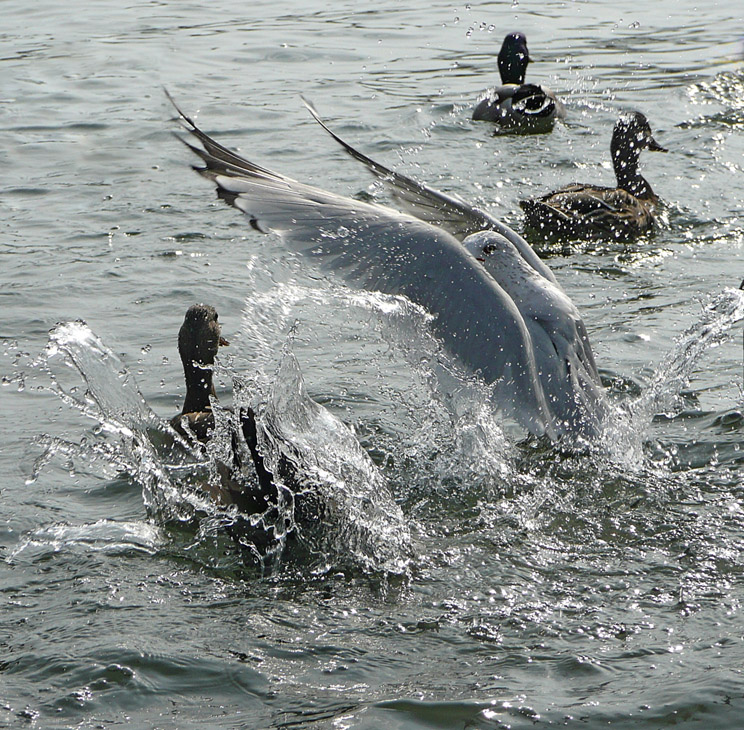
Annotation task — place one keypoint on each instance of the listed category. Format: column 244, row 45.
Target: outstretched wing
column 379, row 249
column 439, row 209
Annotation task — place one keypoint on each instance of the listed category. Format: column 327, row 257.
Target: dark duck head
column 199, row 338
column 632, row 134
column 513, row 59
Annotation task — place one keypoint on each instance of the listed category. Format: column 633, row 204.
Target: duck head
column 513, row 59
column 198, row 341
column 632, row 134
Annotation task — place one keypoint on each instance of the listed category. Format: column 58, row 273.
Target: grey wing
column 437, row 208
column 575, row 398
column 379, row 249
column 562, row 321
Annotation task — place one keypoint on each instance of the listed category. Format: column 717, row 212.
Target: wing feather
column 376, row 248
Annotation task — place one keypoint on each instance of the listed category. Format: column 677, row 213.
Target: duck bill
column 223, row 342
column 654, row 146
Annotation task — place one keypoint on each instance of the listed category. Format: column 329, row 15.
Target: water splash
column 105, row 536
column 111, row 389
column 662, row 395
column 347, row 496
column 422, row 406
column 362, row 524
column 127, row 426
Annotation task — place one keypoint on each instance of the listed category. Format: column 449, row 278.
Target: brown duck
column 199, row 339
column 590, row 212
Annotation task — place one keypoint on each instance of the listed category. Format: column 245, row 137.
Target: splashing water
column 445, row 423
column 348, row 495
column 456, row 441
column 719, row 315
column 361, row 522
column 113, row 400
column 428, row 410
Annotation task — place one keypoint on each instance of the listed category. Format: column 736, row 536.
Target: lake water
column 545, row 589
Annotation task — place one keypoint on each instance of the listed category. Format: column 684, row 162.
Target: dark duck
column 621, row 213
column 199, row 339
column 516, row 106
column 272, row 487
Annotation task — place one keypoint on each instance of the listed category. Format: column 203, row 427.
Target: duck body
column 515, row 106
column 520, row 108
column 589, row 212
column 580, row 211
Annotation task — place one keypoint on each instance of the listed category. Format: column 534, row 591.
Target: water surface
column 545, row 589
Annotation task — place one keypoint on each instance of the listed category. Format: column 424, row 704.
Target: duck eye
column 489, row 248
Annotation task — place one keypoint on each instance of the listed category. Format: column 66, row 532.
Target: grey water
column 542, row 588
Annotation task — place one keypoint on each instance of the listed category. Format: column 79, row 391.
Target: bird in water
column 380, row 249
column 559, row 336
column 621, row 213
column 516, row 106
column 199, row 340
column 563, row 352
column 280, row 486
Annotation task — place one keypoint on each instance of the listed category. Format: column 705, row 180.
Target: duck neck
column 199, row 387
column 628, row 178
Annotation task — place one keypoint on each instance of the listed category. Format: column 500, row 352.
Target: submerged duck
column 588, row 211
column 516, row 106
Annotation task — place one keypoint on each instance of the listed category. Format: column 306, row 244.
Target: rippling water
column 544, row 588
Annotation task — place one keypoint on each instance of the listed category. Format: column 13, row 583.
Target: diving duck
column 515, row 106
column 588, row 211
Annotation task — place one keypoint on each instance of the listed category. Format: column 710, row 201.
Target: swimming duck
column 516, row 106
column 588, row 211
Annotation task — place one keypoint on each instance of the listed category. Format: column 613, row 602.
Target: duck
column 377, row 248
column 199, row 340
column 622, row 213
column 516, row 106
column 294, row 496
